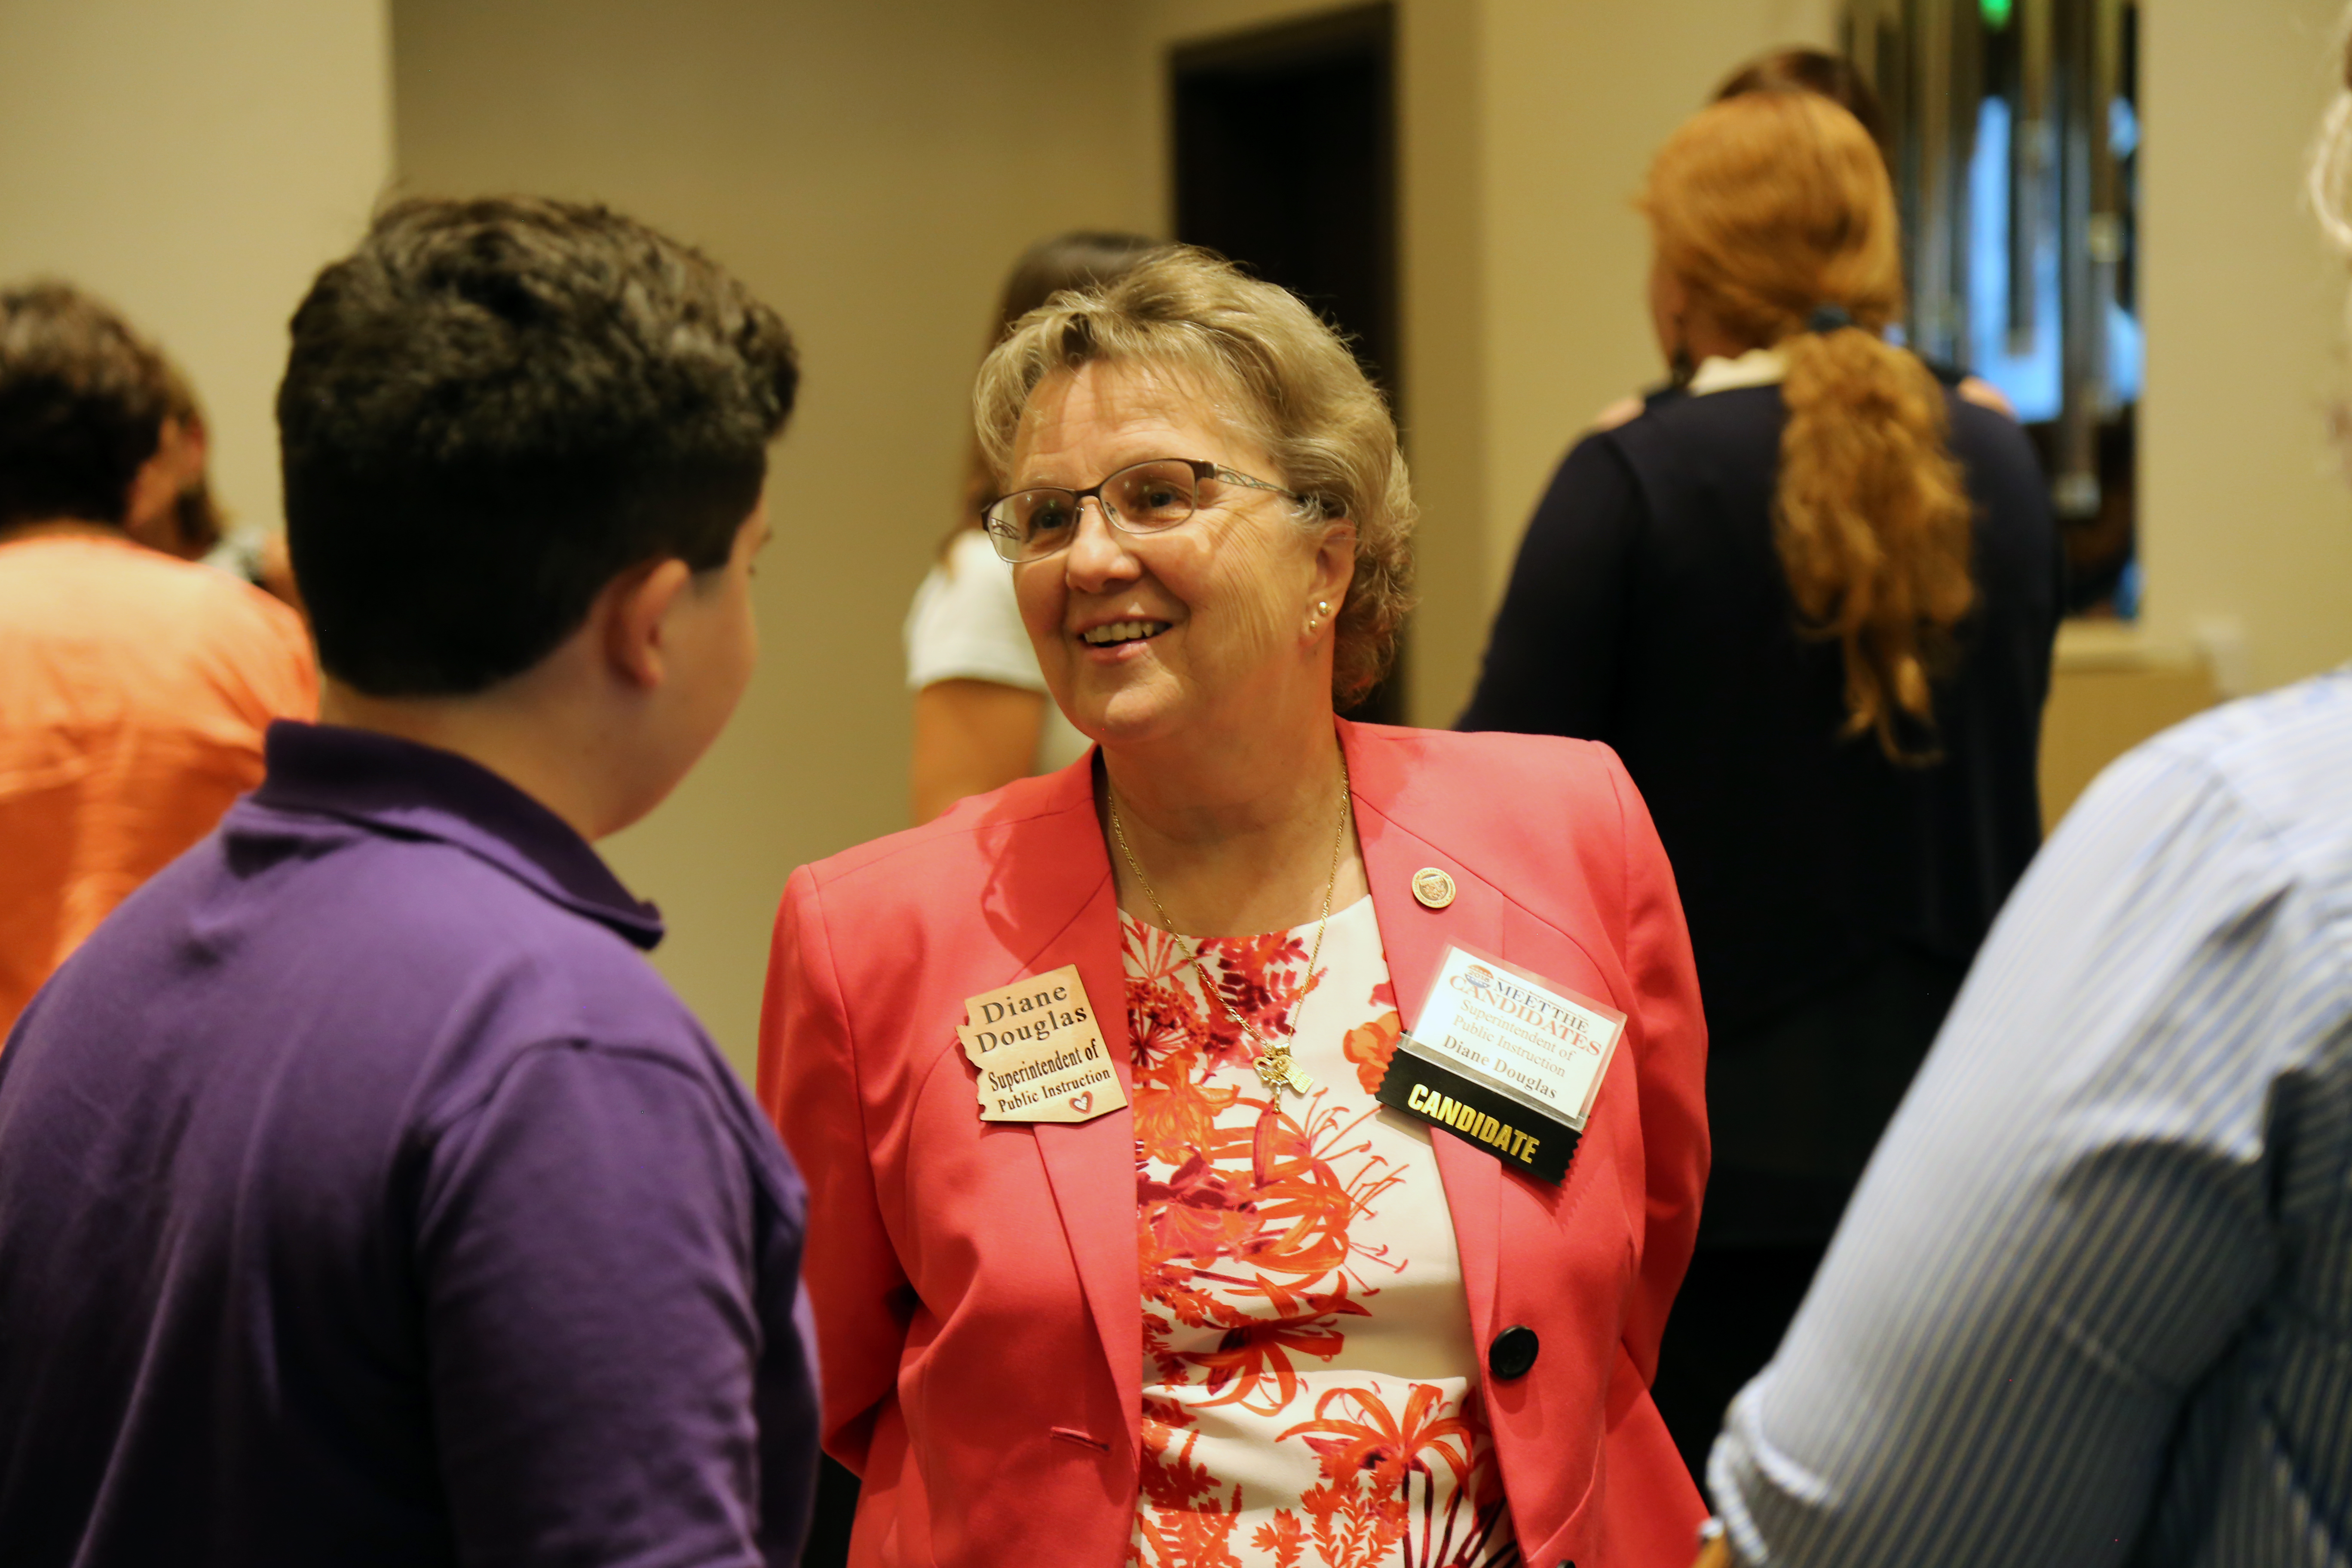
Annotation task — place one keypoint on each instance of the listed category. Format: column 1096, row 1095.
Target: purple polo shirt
column 365, row 1197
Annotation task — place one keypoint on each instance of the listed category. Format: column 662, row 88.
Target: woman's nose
column 1098, row 553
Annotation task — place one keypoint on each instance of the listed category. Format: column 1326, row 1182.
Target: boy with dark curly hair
column 364, row 1195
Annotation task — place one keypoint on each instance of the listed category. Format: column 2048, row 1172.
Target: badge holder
column 1504, row 1060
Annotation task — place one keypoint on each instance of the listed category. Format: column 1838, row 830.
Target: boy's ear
column 634, row 609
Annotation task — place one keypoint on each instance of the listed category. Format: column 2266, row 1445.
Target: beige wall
column 196, row 165
column 2246, row 521
column 870, row 169
column 1444, row 132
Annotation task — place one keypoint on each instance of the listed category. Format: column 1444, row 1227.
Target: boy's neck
column 531, row 745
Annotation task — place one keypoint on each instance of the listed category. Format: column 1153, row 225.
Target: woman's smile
column 1113, row 637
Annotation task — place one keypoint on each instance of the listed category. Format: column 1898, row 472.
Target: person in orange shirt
column 134, row 686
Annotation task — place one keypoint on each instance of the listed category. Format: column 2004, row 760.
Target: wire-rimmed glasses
column 1142, row 498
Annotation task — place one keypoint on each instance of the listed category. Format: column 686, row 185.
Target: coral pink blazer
column 978, row 1300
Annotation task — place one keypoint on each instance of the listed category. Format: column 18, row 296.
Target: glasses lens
column 1030, row 523
column 1000, row 534
column 1151, row 495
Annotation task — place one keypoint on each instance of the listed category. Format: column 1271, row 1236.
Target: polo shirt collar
column 405, row 790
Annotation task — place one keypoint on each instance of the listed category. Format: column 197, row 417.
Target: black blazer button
column 1513, row 1351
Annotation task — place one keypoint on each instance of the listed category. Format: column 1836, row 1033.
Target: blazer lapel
column 1415, row 938
column 1091, row 1164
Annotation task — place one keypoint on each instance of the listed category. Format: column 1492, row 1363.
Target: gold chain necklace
column 1274, row 1063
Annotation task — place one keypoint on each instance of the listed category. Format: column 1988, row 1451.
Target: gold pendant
column 1280, row 1073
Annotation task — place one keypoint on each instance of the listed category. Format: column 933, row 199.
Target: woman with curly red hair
column 1810, row 599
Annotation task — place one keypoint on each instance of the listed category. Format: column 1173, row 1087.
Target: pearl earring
column 1322, row 608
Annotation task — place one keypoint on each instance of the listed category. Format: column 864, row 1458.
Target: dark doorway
column 1286, row 160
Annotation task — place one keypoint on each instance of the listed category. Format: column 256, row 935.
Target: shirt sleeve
column 2072, row 1218
column 596, row 1323
column 965, row 624
column 1552, row 657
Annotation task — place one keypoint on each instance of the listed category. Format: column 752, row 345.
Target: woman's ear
column 1335, row 561
column 634, row 614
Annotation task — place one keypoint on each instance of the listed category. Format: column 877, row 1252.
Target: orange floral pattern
column 1310, row 1396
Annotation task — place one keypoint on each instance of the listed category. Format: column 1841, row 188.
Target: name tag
column 1507, row 1059
column 1040, row 1051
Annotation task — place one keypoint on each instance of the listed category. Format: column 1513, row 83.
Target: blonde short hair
column 1293, row 388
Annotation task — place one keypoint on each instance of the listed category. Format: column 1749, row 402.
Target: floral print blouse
column 1310, row 1395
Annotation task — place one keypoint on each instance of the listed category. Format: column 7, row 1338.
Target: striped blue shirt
column 2093, row 1303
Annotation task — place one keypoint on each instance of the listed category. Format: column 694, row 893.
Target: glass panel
column 2015, row 126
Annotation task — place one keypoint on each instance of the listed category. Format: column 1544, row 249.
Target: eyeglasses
column 1143, row 497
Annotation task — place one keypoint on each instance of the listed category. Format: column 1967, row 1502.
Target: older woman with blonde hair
column 1810, row 601
column 1159, row 1211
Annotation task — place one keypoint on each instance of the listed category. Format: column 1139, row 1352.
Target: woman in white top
column 981, row 715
